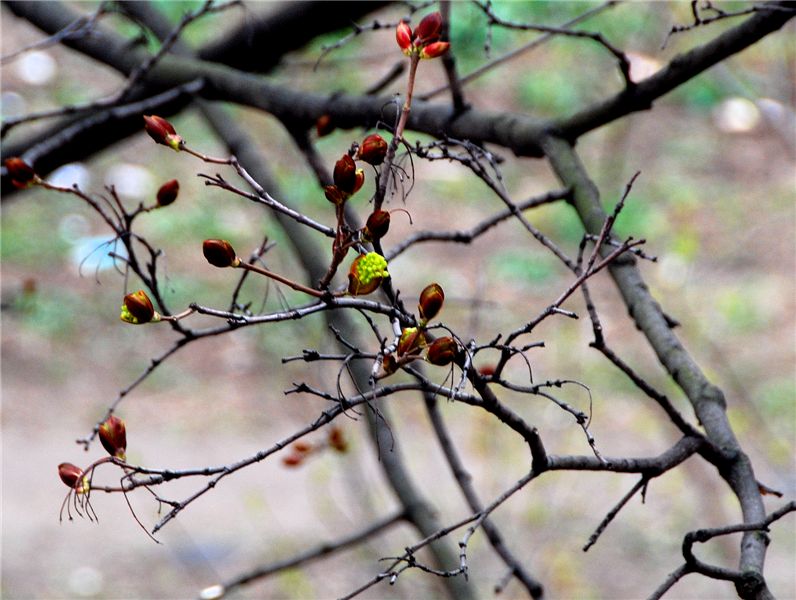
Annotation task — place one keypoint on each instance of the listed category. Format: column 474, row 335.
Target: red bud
column 429, row 28
column 403, row 35
column 337, row 439
column 302, row 447
column 137, row 309
column 345, row 174
column 373, row 149
column 21, row 173
column 324, row 125
column 377, row 225
column 292, row 460
column 434, row 49
column 442, row 351
column 113, row 436
column 431, row 299
column 70, row 474
column 220, row 253
column 160, row 130
column 168, row 192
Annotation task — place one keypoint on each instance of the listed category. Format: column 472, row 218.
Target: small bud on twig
column 377, row 225
column 168, row 192
column 113, row 436
column 442, row 351
column 137, row 309
column 220, row 253
column 373, row 149
column 431, row 299
column 21, row 173
column 73, row 477
column 160, row 130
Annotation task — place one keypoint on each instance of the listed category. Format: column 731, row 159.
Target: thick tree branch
column 706, row 398
column 520, row 133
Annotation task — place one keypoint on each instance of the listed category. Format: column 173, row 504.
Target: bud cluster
column 424, row 41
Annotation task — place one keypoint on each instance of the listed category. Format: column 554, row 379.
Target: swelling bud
column 220, row 253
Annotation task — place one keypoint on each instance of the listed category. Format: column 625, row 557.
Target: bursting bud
column 366, row 273
column 137, row 309
column 220, row 253
column 168, row 192
column 21, row 173
column 411, row 342
column 73, row 477
column 160, row 130
column 442, row 351
column 373, row 149
column 389, row 364
column 377, row 225
column 431, row 299
column 113, row 436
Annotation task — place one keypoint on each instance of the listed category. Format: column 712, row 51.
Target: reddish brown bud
column 337, row 439
column 21, row 173
column 345, row 174
column 373, row 149
column 302, row 447
column 324, row 125
column 220, row 253
column 168, row 192
column 411, row 342
column 359, row 180
column 487, row 370
column 70, row 474
column 431, row 299
column 137, row 309
column 377, row 225
column 442, row 351
column 403, row 35
column 292, row 460
column 428, row 30
column 113, row 436
column 434, row 49
column 333, row 195
column 160, row 130
column 389, row 364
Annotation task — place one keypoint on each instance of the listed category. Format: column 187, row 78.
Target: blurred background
column 715, row 202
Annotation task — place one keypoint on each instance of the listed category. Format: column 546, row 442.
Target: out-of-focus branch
column 679, row 70
column 303, row 558
column 258, row 44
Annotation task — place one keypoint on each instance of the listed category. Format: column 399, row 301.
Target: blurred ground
column 714, row 200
